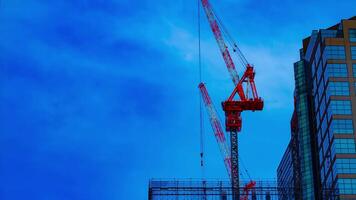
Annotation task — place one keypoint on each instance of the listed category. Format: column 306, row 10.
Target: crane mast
column 231, row 107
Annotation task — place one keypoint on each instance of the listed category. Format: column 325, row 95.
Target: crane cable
column 244, row 167
column 231, row 40
column 200, row 99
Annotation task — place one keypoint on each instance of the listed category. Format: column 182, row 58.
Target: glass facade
column 339, row 88
column 334, row 52
column 340, row 107
column 346, row 165
column 347, row 186
column 352, row 35
column 304, row 136
column 342, row 126
column 353, row 53
column 336, row 70
column 332, row 115
column 325, row 96
column 328, row 33
column 285, row 177
column 288, row 172
column 343, row 146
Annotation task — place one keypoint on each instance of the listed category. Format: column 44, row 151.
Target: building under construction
column 212, row 189
column 323, row 58
column 177, row 189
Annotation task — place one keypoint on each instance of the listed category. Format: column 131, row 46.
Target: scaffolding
column 211, row 189
column 196, row 189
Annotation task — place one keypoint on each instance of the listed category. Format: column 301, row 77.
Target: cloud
column 98, row 94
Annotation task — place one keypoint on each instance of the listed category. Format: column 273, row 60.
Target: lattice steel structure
column 211, row 189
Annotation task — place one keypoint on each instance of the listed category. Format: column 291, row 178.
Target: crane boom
column 217, row 128
column 220, row 40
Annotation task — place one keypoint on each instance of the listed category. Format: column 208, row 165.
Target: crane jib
column 220, row 40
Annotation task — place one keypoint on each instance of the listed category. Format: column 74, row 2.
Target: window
column 342, row 126
column 326, row 144
column 314, row 86
column 321, row 89
column 343, row 146
column 337, row 70
column 317, row 55
column 353, row 53
column 324, row 126
column 347, row 186
column 320, row 140
column 340, row 107
column 319, row 73
column 334, row 52
column 328, row 33
column 352, row 35
column 354, row 69
column 329, row 180
column 339, row 88
column 346, row 166
column 322, row 107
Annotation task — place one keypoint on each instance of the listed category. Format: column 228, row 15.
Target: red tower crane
column 233, row 108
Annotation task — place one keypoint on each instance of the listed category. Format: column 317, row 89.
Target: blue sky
column 98, row 96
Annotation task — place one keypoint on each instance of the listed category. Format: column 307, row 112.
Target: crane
column 234, row 108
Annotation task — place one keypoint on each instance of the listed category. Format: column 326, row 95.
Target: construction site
column 178, row 100
column 213, row 189
column 290, row 183
column 244, row 97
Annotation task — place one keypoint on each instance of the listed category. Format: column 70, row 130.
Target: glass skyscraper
column 325, row 88
column 288, row 170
